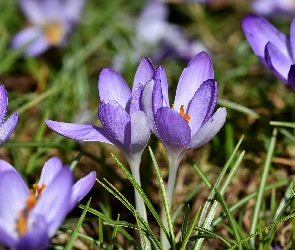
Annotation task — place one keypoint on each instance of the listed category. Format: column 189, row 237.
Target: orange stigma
column 185, row 116
column 53, row 32
column 22, row 221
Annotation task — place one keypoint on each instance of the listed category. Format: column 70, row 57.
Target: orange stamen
column 53, row 33
column 183, row 114
column 21, row 224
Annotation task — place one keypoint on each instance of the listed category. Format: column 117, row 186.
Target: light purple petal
column 209, row 129
column 135, row 104
column 26, row 36
column 83, row 132
column 140, row 132
column 52, row 10
column 33, row 11
column 112, row 86
column 81, row 188
column 5, row 166
column 172, row 128
column 147, row 105
column 157, row 93
column 144, row 73
column 160, row 77
column 292, row 38
column 37, row 47
column 277, row 62
column 8, row 127
column 13, row 197
column 114, row 119
column 3, row 103
column 50, row 170
column 73, row 9
column 202, row 105
column 198, row 70
column 5, row 238
column 55, row 199
column 259, row 32
column 291, row 76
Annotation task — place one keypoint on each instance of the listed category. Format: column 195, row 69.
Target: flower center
column 22, row 221
column 185, row 116
column 53, row 32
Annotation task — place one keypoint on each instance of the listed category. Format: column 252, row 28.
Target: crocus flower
column 120, row 113
column 51, row 23
column 6, row 128
column 29, row 218
column 273, row 7
column 190, row 123
column 274, row 49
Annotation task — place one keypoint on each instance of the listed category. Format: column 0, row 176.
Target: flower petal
column 291, row 76
column 26, row 36
column 8, row 127
column 13, row 196
column 3, row 103
column 33, row 11
column 112, row 86
column 209, row 129
column 5, row 237
column 198, row 70
column 202, row 105
column 83, row 132
column 162, row 85
column 73, row 9
column 147, row 105
column 144, row 73
column 52, row 10
column 114, row 119
column 50, row 170
column 81, row 188
column 277, row 62
column 135, row 104
column 172, row 128
column 140, row 132
column 5, row 166
column 37, row 47
column 259, row 32
column 292, row 38
column 54, row 201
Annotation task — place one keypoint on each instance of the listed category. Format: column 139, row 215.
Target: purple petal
column 5, row 166
column 112, row 86
column 292, row 38
column 172, row 128
column 13, row 197
column 291, row 76
column 198, row 70
column 73, row 9
column 157, row 92
column 83, row 132
column 52, row 10
column 81, row 188
column 202, row 105
column 54, row 201
column 259, row 32
column 33, row 11
column 144, row 73
column 135, row 104
column 8, row 127
column 114, row 119
column 5, row 237
column 277, row 62
column 3, row 103
column 162, row 85
column 26, row 36
column 147, row 105
column 140, row 132
column 209, row 129
column 50, row 170
column 37, row 47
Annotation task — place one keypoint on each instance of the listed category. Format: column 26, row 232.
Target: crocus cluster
column 7, row 127
column 51, row 23
column 274, row 49
column 30, row 217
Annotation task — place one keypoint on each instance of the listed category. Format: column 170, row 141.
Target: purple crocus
column 7, row 127
column 274, row 49
column 190, row 123
column 120, row 113
column 273, row 7
column 29, row 218
column 51, row 23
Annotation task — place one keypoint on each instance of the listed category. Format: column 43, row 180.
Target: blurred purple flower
column 274, row 49
column 190, row 123
column 124, row 124
column 273, row 7
column 6, row 128
column 29, row 218
column 51, row 23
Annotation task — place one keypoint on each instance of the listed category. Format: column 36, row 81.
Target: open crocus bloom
column 274, row 49
column 28, row 218
column 190, row 122
column 124, row 124
column 52, row 21
column 6, row 128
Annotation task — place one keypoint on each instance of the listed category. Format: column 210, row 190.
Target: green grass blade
column 184, row 225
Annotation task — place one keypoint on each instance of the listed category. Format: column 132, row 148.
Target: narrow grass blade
column 74, row 235
column 114, row 235
column 184, row 225
column 76, row 161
